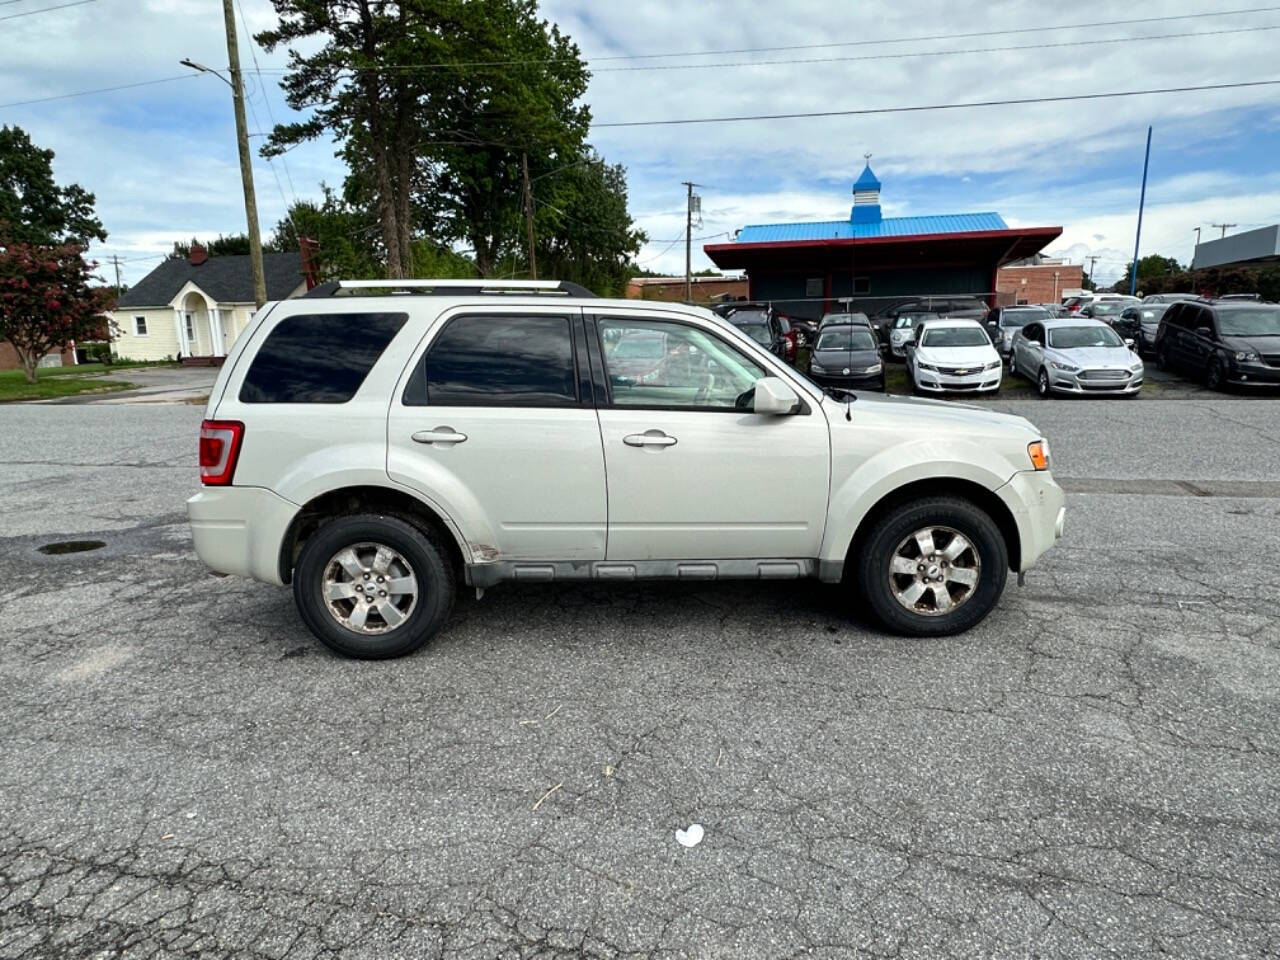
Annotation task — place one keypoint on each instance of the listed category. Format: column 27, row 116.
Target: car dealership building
column 806, row 269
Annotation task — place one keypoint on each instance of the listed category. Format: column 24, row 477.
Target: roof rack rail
column 561, row 288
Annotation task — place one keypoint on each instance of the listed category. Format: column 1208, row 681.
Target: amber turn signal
column 1039, row 453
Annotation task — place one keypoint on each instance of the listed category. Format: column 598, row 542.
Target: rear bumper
column 1038, row 506
column 239, row 530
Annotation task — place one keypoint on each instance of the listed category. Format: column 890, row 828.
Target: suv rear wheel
column 933, row 567
column 372, row 586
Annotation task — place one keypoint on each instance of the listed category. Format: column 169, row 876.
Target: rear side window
column 318, row 357
column 499, row 362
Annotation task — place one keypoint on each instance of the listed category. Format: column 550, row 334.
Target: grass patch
column 65, row 382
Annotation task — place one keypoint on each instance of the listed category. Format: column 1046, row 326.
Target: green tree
column 345, row 237
column 236, row 245
column 586, row 234
column 33, row 208
column 48, row 299
column 1149, row 267
column 433, row 116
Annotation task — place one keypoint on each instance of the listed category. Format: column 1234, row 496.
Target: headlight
column 926, row 366
column 817, row 368
column 874, row 368
column 1064, row 367
column 1246, row 355
column 993, row 365
column 1136, row 368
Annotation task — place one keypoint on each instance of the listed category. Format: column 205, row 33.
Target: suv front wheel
column 372, row 586
column 933, row 567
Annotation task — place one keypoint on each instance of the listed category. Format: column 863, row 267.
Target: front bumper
column 1253, row 374
column 1076, row 383
column 1039, row 510
column 981, row 381
column 863, row 381
column 239, row 530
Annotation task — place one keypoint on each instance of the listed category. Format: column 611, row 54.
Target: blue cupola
column 866, row 197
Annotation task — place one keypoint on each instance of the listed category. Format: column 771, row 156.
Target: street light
column 242, row 141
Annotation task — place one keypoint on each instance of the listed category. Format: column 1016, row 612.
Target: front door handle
column 650, row 438
column 442, row 435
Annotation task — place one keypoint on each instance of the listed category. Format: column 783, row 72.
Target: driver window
column 660, row 363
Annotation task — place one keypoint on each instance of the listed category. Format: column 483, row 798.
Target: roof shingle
column 224, row 279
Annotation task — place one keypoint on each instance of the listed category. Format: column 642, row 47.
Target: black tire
column 872, row 565
column 426, row 559
column 1042, row 384
column 1213, row 376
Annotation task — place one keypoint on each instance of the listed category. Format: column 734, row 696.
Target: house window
column 190, row 321
column 861, row 284
column 140, row 326
column 813, row 287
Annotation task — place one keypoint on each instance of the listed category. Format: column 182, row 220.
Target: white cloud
column 162, row 160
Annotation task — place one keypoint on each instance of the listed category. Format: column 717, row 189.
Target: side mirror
column 1205, row 332
column 774, row 397
column 1128, row 342
column 992, row 324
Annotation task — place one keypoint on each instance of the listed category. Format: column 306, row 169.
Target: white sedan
column 953, row 355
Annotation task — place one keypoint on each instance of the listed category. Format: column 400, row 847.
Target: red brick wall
column 1038, row 287
column 673, row 291
column 9, row 357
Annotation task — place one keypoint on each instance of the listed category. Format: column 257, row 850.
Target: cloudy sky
column 161, row 158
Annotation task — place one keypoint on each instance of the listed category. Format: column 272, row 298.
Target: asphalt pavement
column 1093, row 771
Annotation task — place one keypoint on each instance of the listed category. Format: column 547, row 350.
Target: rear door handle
column 442, row 435
column 650, row 438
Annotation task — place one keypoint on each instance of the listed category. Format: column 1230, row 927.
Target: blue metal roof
column 866, row 180
column 889, row 227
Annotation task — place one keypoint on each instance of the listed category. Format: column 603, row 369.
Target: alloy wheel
column 369, row 588
column 934, row 571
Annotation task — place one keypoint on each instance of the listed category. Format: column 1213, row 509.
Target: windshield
column 954, row 337
column 912, row 320
column 1249, row 323
column 1020, row 318
column 1069, row 338
column 759, row 332
column 845, row 338
column 1108, row 308
column 1152, row 313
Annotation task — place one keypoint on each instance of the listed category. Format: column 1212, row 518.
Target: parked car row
column 1221, row 343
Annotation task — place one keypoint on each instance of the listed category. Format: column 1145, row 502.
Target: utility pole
column 688, row 242
column 1092, row 260
column 528, row 215
column 1197, row 230
column 115, row 259
column 1224, row 226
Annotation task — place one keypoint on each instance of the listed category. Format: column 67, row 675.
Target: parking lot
column 1093, row 771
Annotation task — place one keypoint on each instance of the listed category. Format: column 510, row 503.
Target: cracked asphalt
column 1094, row 771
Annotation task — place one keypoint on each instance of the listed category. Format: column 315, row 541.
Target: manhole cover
column 72, row 546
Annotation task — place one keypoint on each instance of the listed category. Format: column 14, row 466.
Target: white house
column 196, row 306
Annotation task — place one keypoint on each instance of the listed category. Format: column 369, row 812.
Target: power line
column 938, row 106
column 903, row 55
column 62, row 6
column 262, row 87
column 85, row 93
column 841, row 44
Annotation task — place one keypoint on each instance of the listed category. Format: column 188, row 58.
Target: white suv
column 378, row 448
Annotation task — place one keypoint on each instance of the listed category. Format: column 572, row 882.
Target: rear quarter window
column 318, row 357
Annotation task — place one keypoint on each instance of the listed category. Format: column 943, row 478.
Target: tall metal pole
column 246, row 165
column 1142, row 199
column 528, row 215
column 688, row 240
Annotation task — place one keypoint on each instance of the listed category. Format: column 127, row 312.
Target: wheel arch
column 986, row 500
column 367, row 498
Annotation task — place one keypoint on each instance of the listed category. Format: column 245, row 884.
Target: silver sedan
column 1076, row 355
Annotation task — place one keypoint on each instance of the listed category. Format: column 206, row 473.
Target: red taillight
column 219, row 450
